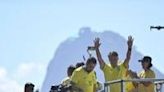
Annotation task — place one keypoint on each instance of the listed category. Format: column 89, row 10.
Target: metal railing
column 157, row 82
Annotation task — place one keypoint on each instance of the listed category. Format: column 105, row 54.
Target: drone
column 156, row 27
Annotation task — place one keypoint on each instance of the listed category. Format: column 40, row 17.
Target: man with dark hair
column 70, row 70
column 146, row 62
column 79, row 64
column 98, row 84
column 147, row 72
column 29, row 87
column 84, row 77
column 114, row 70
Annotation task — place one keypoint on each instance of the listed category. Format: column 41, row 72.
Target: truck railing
column 157, row 82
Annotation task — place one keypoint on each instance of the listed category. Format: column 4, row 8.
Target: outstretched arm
column 99, row 57
column 128, row 54
column 149, row 82
column 134, row 75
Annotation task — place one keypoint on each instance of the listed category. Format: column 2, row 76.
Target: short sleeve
column 105, row 68
column 123, row 70
column 75, row 77
column 122, row 66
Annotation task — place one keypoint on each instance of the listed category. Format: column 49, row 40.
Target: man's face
column 113, row 59
column 90, row 67
column 145, row 65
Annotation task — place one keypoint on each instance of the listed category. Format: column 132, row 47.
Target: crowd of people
column 82, row 77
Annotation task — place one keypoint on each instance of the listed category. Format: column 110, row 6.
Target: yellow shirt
column 146, row 74
column 116, row 73
column 129, row 87
column 84, row 80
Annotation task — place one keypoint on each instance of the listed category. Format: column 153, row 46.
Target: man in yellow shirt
column 84, row 77
column 147, row 72
column 114, row 70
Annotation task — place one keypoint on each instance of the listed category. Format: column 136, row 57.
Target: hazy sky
column 30, row 32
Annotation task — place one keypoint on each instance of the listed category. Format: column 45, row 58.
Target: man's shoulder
column 93, row 72
column 120, row 62
column 107, row 65
column 151, row 73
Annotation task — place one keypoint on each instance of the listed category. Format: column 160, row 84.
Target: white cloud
column 29, row 70
column 25, row 72
column 3, row 72
column 7, row 84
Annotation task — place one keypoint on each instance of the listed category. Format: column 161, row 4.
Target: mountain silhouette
column 73, row 49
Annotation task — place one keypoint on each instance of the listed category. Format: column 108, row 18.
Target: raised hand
column 99, row 57
column 130, row 41
column 97, row 43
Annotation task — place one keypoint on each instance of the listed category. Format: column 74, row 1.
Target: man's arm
column 146, row 84
column 128, row 54
column 74, row 77
column 134, row 75
column 74, row 81
column 149, row 83
column 99, row 57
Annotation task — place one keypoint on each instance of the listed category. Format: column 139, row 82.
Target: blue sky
column 30, row 31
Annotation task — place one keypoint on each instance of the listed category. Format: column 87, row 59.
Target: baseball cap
column 146, row 59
